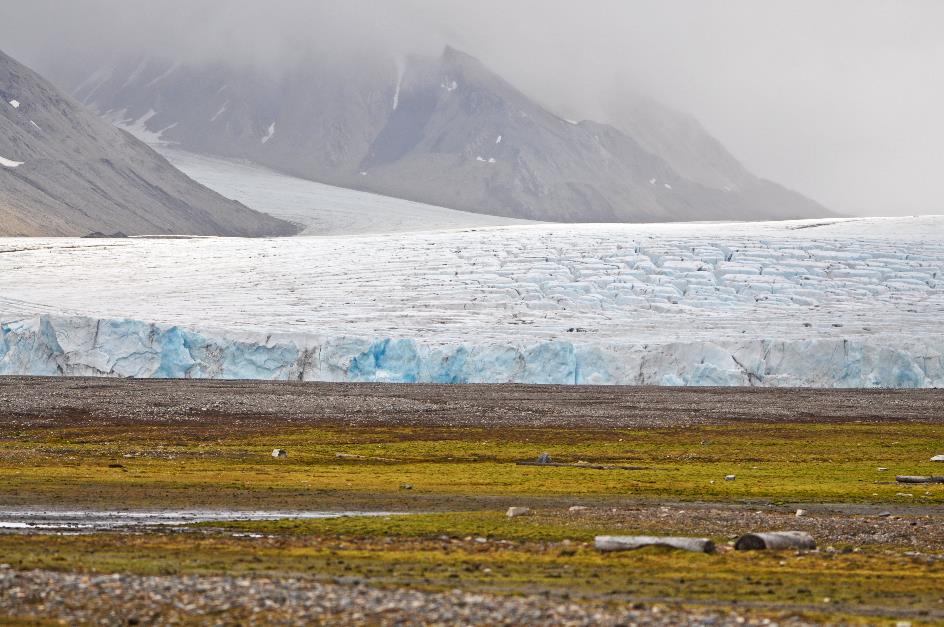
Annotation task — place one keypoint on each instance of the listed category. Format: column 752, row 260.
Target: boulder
column 517, row 511
column 775, row 540
column 629, row 543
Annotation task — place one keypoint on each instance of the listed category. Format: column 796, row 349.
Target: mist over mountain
column 836, row 100
column 440, row 129
column 65, row 171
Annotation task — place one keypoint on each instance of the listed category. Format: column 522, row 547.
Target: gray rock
column 80, row 175
column 544, row 458
column 629, row 543
column 919, row 479
column 775, row 540
column 514, row 512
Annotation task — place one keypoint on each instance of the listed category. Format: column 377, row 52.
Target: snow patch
column 94, row 82
column 269, row 133
column 36, row 125
column 498, row 140
column 9, row 163
column 139, row 127
column 451, row 86
column 652, row 181
column 667, row 186
column 135, row 73
column 15, row 104
column 163, row 75
column 396, row 93
column 220, row 112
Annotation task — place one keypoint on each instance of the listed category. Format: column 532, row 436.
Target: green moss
column 779, row 462
column 452, row 524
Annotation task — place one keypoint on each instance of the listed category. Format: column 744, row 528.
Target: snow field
column 323, row 209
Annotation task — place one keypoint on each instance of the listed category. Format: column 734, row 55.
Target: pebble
column 44, row 596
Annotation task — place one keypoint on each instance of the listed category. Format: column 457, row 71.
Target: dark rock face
column 445, row 131
column 100, row 235
column 76, row 174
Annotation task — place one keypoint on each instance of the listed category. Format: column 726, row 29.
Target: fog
column 840, row 100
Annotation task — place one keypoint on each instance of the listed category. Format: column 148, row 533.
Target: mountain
column 441, row 130
column 65, row 171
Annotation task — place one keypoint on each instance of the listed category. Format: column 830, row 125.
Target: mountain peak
column 451, row 53
column 447, row 130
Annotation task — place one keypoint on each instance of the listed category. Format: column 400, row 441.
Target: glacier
column 828, row 303
column 322, row 209
column 78, row 346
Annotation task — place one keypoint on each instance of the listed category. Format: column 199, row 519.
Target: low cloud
column 840, row 100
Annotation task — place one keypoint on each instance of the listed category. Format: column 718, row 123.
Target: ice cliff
column 74, row 345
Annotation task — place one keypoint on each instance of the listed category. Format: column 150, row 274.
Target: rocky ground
column 838, row 528
column 51, row 401
column 131, row 600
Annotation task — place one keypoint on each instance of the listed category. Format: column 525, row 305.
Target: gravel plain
column 40, row 401
column 132, row 600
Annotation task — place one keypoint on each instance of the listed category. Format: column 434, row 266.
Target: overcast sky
column 842, row 100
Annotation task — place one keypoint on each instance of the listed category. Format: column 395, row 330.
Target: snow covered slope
column 323, row 209
column 817, row 303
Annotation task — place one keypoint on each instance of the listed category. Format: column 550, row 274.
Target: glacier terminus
column 828, row 303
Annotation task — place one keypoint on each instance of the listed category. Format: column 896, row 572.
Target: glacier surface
column 322, row 209
column 835, row 303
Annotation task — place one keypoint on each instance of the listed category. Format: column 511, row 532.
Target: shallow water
column 80, row 521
